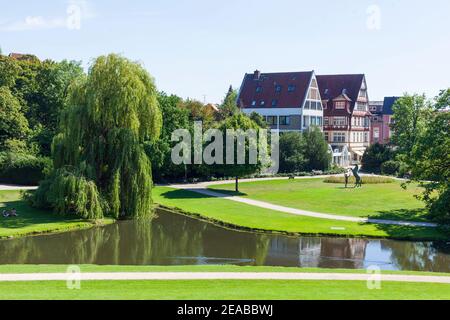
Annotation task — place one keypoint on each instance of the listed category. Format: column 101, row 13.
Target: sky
column 198, row 48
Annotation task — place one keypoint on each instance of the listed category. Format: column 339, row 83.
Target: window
column 274, row 102
column 326, row 121
column 339, row 121
column 262, row 103
column 376, row 134
column 254, row 103
column 284, row 120
column 362, row 106
column 319, row 121
column 305, row 121
column 366, row 137
column 308, row 104
column 338, row 136
column 291, row 88
column 340, row 104
column 271, row 120
column 278, row 88
column 327, row 136
column 258, row 89
column 313, row 121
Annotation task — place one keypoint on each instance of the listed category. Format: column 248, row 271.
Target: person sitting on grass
column 5, row 213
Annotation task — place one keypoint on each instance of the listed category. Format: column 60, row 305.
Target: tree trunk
column 237, row 185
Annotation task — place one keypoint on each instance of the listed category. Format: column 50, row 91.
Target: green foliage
column 98, row 153
column 316, row 150
column 427, row 155
column 237, row 122
column 391, row 167
column 23, row 169
column 292, row 157
column 229, row 107
column 375, row 156
column 410, row 120
column 258, row 119
column 365, row 180
column 13, row 124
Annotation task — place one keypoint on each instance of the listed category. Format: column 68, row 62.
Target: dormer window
column 258, row 89
column 262, row 103
column 254, row 103
column 291, row 88
column 274, row 102
column 339, row 105
column 277, row 88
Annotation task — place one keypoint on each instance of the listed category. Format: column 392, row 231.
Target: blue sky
column 199, row 47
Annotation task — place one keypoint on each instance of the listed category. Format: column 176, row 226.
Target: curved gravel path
column 202, row 188
column 219, row 276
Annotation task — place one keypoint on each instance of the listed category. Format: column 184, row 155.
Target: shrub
column 23, row 169
column 390, row 167
column 365, row 180
column 375, row 156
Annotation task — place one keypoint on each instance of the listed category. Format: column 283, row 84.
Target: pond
column 172, row 239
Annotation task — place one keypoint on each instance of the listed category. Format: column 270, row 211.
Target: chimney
column 257, row 74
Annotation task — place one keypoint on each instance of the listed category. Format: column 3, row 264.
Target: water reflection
column 172, row 239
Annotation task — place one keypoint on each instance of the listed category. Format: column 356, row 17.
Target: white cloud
column 76, row 12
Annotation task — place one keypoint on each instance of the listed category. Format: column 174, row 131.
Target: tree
column 316, row 150
column 292, row 149
column 174, row 118
column 13, row 124
column 258, row 119
column 429, row 160
column 237, row 122
column 229, row 107
column 100, row 164
column 375, row 156
column 410, row 119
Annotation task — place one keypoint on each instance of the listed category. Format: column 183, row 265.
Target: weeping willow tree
column 100, row 167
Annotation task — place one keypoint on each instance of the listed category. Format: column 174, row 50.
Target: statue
column 355, row 171
column 347, row 175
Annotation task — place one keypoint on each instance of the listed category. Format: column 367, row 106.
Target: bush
column 440, row 208
column 365, row 180
column 23, row 169
column 390, row 167
column 375, row 156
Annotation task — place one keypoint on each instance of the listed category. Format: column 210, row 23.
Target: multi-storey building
column 381, row 120
column 288, row 101
column 346, row 116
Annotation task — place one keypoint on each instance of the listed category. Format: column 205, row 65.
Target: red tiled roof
column 332, row 86
column 268, row 83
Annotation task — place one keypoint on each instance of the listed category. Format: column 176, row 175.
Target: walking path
column 202, row 188
column 220, row 276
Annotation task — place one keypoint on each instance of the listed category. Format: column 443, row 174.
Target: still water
column 172, row 239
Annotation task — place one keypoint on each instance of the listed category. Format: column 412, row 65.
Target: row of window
column 313, row 105
column 341, row 137
column 286, row 120
column 278, row 88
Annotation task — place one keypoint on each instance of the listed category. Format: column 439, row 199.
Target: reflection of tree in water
column 168, row 239
column 417, row 256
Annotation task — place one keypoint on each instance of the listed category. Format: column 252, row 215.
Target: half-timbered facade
column 346, row 116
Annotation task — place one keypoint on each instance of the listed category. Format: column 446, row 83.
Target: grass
column 54, row 268
column 246, row 217
column 365, row 180
column 223, row 290
column 382, row 201
column 32, row 221
column 215, row 290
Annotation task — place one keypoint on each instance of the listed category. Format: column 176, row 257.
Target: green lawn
column 217, row 289
column 247, row 217
column 384, row 201
column 223, row 289
column 56, row 268
column 33, row 221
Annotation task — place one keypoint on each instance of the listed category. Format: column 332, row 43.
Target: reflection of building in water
column 317, row 252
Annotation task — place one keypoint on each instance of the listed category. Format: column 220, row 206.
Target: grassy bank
column 32, row 221
column 378, row 200
column 217, row 289
column 246, row 217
